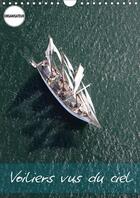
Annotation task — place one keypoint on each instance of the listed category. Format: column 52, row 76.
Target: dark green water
column 33, row 127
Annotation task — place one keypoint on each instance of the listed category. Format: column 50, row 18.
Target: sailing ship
column 66, row 84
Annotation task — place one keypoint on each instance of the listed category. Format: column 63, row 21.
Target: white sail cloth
column 78, row 78
column 69, row 80
column 69, row 66
column 52, row 48
column 88, row 108
column 88, row 98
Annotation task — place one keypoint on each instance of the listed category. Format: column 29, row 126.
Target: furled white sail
column 89, row 109
column 69, row 80
column 58, row 53
column 68, row 69
column 78, row 78
column 68, row 63
column 49, row 51
column 95, row 120
column 88, row 98
column 52, row 48
column 83, row 103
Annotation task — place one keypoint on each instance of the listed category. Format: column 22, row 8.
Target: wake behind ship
column 66, row 85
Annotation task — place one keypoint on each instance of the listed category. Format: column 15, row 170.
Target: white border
column 82, row 3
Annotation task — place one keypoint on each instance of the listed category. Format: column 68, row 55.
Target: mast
column 78, row 78
column 62, row 65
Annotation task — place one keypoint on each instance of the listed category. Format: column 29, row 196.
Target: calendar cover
column 69, row 98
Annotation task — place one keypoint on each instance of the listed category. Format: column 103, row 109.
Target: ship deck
column 63, row 91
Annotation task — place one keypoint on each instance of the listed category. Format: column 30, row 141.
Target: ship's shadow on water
column 42, row 119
